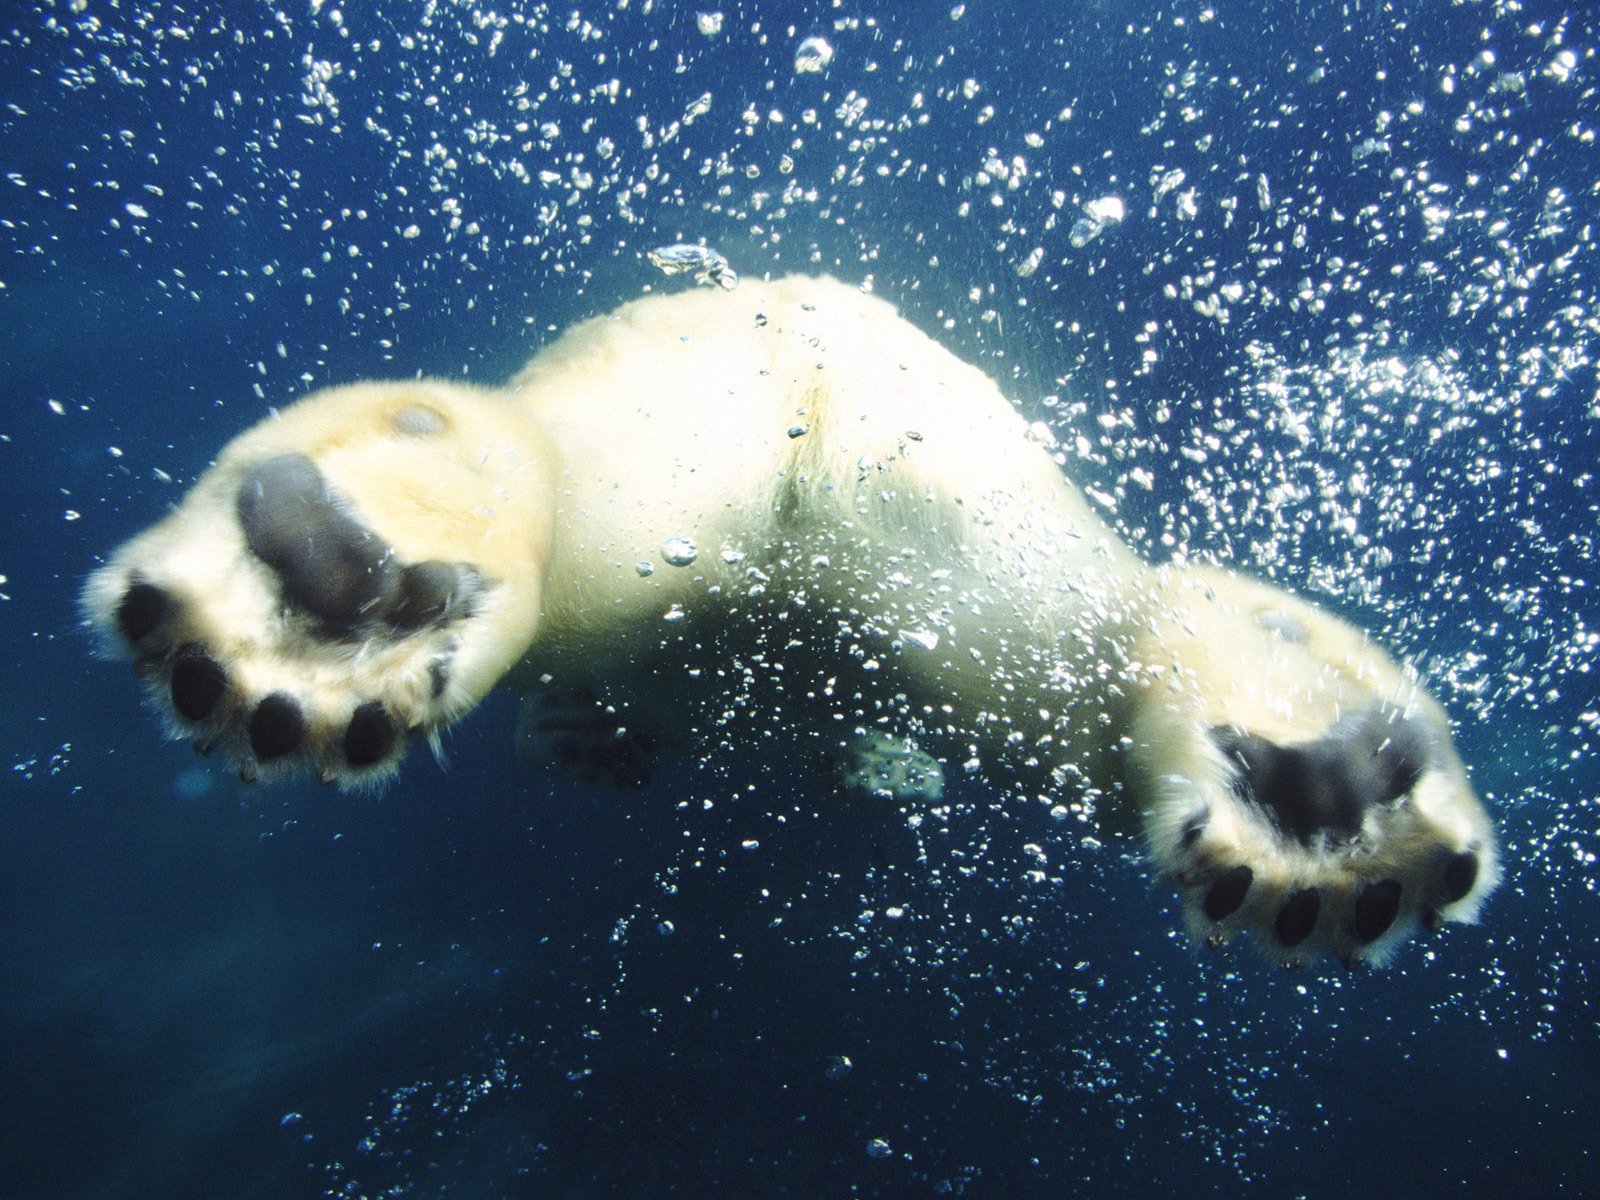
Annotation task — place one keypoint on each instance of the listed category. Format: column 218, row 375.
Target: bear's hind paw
column 1338, row 846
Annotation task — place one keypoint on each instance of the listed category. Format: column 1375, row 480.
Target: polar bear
column 793, row 458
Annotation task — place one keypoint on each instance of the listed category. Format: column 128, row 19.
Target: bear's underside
column 794, row 463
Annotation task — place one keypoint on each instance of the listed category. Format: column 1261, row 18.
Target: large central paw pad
column 1339, row 845
column 330, row 566
column 285, row 631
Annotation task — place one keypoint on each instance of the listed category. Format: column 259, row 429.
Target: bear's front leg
column 361, row 567
column 1292, row 778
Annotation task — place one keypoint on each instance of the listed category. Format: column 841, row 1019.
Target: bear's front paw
column 274, row 621
column 1295, row 782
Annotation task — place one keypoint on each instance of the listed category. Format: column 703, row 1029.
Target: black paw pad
column 1227, row 893
column 276, row 727
column 370, row 737
column 327, row 562
column 1375, row 910
column 198, row 683
column 1298, row 916
column 429, row 593
column 1459, row 874
column 1327, row 786
column 141, row 611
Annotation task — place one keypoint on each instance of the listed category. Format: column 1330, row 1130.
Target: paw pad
column 1326, row 786
column 1298, row 917
column 198, row 683
column 327, row 563
column 1460, row 872
column 1226, row 895
column 143, row 609
column 330, row 566
column 370, row 737
column 277, row 727
column 1375, row 910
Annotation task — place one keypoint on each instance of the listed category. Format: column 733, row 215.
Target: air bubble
column 678, row 551
column 812, row 55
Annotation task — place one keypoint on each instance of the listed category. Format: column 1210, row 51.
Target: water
column 1344, row 331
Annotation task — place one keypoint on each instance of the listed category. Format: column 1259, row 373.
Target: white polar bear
column 370, row 562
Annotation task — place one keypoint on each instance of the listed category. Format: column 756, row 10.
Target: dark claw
column 197, row 684
column 1225, row 895
column 276, row 727
column 1298, row 916
column 143, row 608
column 370, row 737
column 1376, row 908
column 439, row 676
column 1460, row 873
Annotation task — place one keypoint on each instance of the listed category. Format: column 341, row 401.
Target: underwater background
column 1303, row 286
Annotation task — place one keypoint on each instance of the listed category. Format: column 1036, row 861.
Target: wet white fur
column 814, row 447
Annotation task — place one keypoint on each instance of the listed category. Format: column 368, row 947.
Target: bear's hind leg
column 362, row 567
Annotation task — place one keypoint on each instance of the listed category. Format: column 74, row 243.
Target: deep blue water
column 1378, row 387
